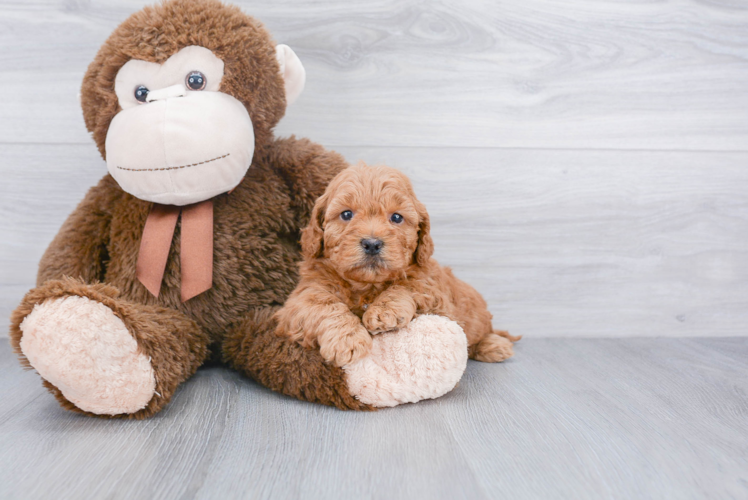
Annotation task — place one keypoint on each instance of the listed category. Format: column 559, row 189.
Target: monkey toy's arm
column 307, row 168
column 79, row 250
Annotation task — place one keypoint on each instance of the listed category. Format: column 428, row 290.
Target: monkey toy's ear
column 292, row 72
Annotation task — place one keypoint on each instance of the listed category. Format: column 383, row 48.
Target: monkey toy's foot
column 83, row 349
column 424, row 360
column 101, row 354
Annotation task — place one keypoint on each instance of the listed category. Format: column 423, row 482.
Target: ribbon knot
column 196, row 251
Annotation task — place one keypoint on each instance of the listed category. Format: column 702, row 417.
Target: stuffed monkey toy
column 184, row 251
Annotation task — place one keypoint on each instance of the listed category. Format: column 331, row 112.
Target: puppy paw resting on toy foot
column 344, row 346
column 424, row 360
column 394, row 308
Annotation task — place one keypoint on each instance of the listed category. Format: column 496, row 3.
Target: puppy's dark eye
column 196, row 80
column 141, row 92
column 396, row 218
column 346, row 215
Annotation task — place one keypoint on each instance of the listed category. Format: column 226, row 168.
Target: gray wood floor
column 566, row 418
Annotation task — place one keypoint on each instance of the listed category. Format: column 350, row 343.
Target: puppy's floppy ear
column 312, row 236
column 425, row 248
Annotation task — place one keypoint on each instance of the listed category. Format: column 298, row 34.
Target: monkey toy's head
column 182, row 94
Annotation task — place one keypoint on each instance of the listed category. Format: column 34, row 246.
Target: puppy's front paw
column 345, row 345
column 378, row 319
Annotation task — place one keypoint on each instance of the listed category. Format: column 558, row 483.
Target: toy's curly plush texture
column 81, row 347
column 387, row 378
column 174, row 343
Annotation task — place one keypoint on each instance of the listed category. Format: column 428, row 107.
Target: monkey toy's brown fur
column 345, row 295
column 256, row 227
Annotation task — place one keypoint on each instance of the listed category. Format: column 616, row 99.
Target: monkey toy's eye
column 196, row 80
column 346, row 215
column 141, row 93
column 396, row 218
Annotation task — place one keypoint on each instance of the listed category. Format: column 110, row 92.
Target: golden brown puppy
column 368, row 269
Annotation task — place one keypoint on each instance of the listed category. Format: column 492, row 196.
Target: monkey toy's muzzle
column 180, row 147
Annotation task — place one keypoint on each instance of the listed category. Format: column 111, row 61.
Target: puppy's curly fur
column 368, row 269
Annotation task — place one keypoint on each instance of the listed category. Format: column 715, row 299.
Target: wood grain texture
column 479, row 73
column 561, row 243
column 566, row 418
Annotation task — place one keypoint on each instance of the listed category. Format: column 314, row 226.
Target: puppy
column 368, row 269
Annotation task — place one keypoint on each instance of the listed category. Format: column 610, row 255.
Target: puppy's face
column 369, row 225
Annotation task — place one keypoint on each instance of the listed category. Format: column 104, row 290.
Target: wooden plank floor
column 566, row 418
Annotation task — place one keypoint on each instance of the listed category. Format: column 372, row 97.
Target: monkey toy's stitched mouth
column 172, row 168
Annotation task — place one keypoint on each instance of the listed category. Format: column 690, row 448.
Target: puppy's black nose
column 372, row 246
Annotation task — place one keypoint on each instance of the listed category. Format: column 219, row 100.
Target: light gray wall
column 585, row 162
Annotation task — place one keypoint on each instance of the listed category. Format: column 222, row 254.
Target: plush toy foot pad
column 424, row 360
column 83, row 349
